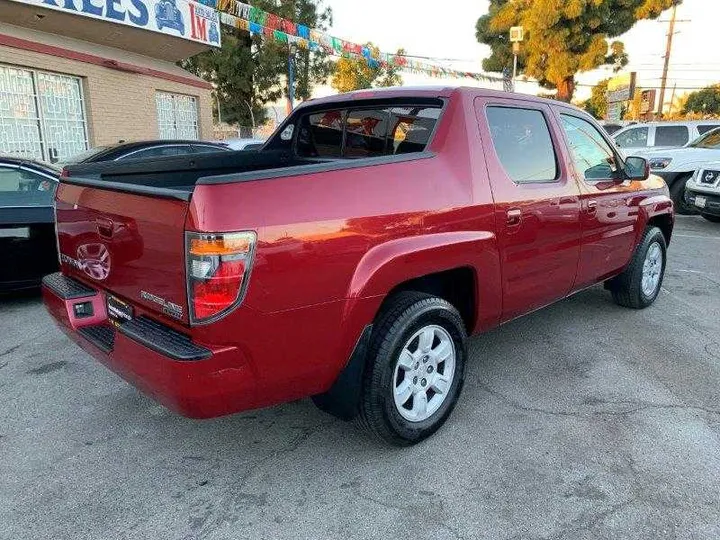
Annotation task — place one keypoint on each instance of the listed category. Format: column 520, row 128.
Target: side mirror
column 637, row 168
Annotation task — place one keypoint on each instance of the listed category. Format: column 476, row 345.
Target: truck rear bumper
column 197, row 381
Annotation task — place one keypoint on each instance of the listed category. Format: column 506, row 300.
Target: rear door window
column 367, row 132
column 671, row 135
column 522, row 141
column 632, row 138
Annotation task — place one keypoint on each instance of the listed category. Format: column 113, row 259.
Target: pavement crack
column 9, row 351
column 636, row 406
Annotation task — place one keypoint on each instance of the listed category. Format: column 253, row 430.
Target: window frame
column 44, row 132
column 619, row 159
column 547, row 117
column 174, row 97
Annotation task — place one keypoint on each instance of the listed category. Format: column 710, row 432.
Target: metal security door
column 177, row 116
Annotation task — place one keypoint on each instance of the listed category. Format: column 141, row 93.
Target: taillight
column 218, row 268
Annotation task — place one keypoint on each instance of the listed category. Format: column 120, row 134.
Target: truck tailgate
column 128, row 244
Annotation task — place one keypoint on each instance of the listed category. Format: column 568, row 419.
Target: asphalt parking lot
column 581, row 421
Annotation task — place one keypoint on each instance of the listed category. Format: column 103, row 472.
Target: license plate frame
column 119, row 312
column 700, row 201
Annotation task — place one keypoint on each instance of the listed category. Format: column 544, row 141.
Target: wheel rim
column 424, row 373
column 652, row 269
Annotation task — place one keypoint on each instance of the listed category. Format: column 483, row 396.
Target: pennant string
column 280, row 30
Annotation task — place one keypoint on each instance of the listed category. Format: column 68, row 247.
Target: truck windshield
column 366, row 132
column 710, row 140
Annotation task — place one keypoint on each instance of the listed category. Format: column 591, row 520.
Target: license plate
column 700, row 202
column 118, row 311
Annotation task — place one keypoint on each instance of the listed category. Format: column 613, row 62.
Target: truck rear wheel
column 639, row 284
column 415, row 369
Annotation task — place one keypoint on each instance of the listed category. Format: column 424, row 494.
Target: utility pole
column 291, row 66
column 291, row 80
column 666, row 66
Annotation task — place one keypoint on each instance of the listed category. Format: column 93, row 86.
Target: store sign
column 621, row 88
column 180, row 18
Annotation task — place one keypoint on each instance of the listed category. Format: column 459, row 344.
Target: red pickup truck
column 351, row 256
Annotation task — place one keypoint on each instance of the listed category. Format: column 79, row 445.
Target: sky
column 446, row 29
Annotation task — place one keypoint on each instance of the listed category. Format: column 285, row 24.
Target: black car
column 144, row 149
column 27, row 222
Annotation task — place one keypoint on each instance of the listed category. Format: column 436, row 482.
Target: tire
column 396, row 332
column 677, row 194
column 629, row 289
column 711, row 218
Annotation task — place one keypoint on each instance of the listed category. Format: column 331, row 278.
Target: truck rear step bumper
column 194, row 380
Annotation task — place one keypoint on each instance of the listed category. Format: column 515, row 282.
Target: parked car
column 661, row 135
column 703, row 191
column 27, row 230
column 144, row 149
column 243, row 144
column 676, row 166
column 349, row 258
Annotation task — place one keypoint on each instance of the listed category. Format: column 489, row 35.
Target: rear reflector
column 218, row 268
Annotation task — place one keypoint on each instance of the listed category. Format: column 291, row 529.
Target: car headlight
column 660, row 163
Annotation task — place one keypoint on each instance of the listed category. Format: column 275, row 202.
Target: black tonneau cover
column 180, row 171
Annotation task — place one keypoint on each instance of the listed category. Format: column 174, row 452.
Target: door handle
column 592, row 207
column 514, row 217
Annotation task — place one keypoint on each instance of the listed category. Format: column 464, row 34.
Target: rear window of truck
column 354, row 133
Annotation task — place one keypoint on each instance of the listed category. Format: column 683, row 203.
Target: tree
column 562, row 38
column 705, row 101
column 248, row 72
column 357, row 73
column 597, row 104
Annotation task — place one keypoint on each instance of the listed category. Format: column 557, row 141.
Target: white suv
column 677, row 165
column 659, row 135
column 703, row 191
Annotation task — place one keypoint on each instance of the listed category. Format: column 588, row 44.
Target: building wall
column 119, row 105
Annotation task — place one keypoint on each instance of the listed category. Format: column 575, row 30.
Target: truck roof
column 430, row 92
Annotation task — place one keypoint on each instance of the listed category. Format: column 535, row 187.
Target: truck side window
column 522, row 141
column 321, row 134
column 591, row 154
column 366, row 133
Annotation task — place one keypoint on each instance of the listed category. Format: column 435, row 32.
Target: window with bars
column 42, row 114
column 177, row 116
